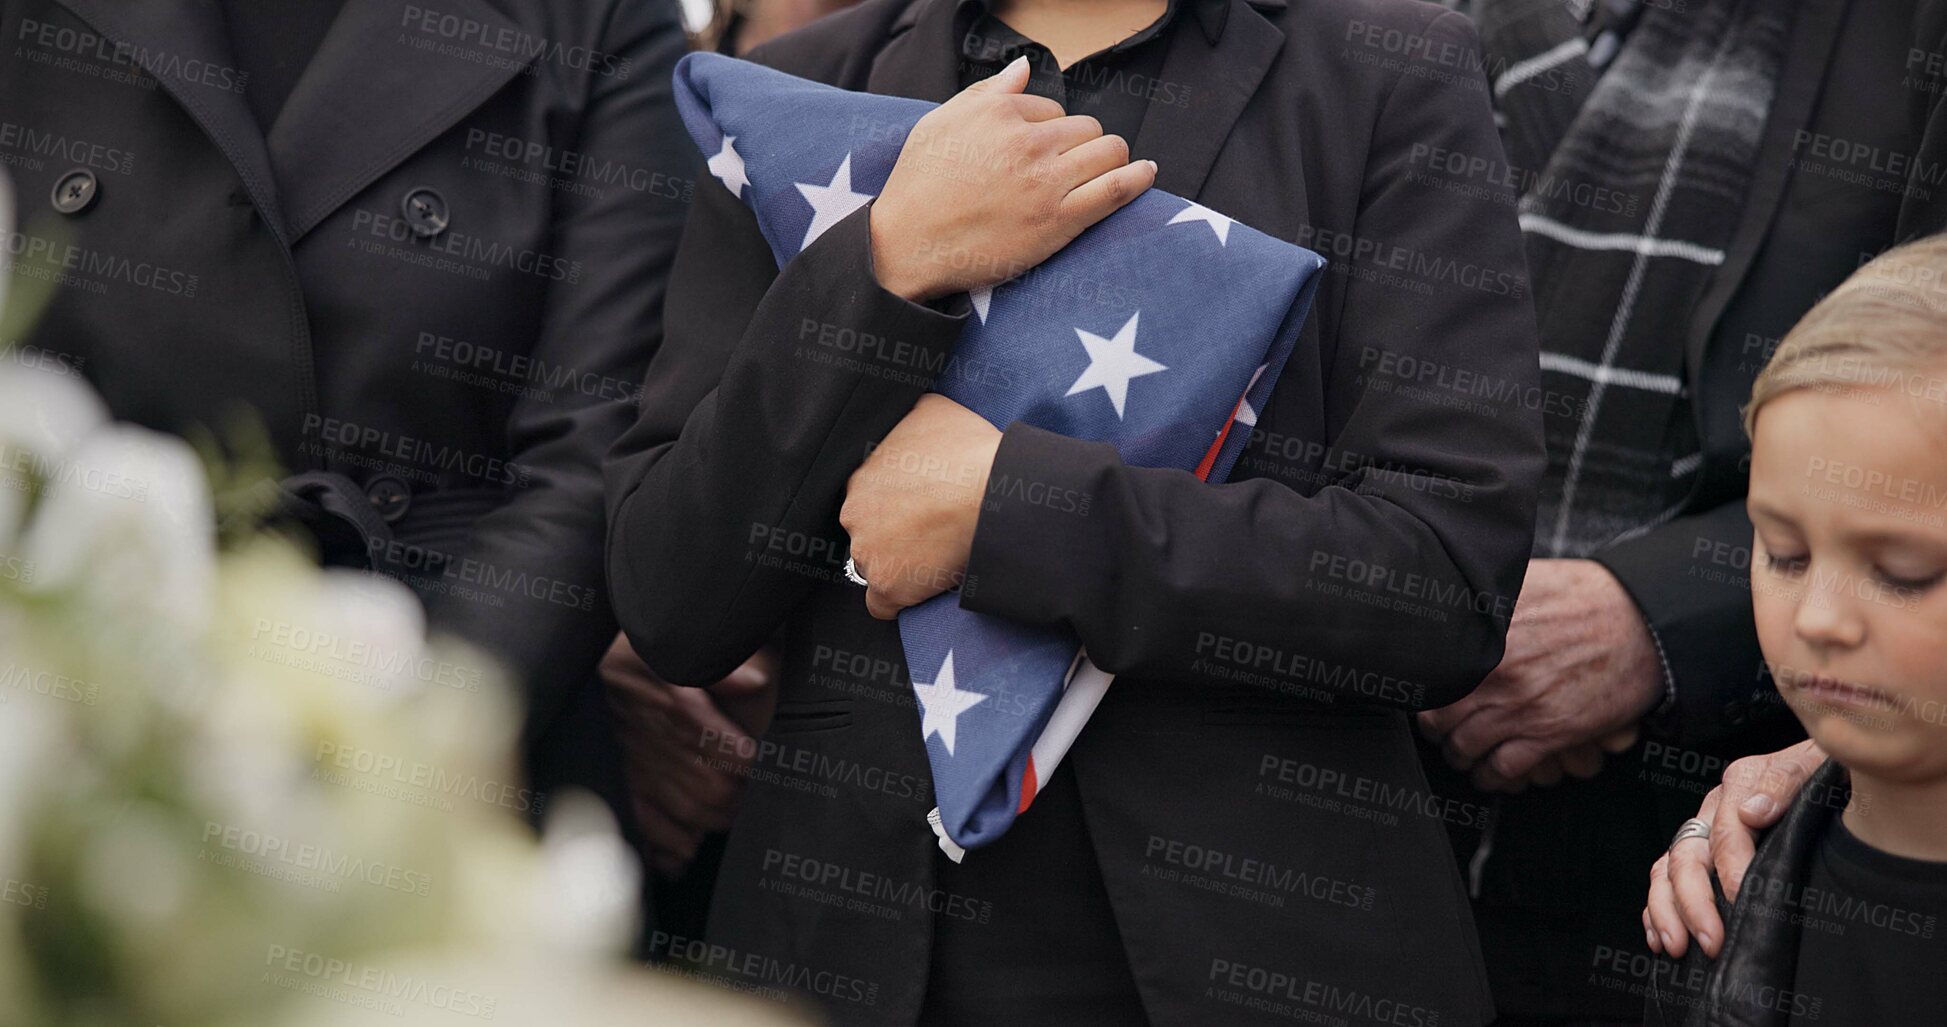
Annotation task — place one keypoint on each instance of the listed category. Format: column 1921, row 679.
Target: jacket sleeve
column 1372, row 587
column 769, row 389
column 552, row 628
column 1691, row 578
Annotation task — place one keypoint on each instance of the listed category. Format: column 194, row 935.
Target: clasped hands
column 1580, row 671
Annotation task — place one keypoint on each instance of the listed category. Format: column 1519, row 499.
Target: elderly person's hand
column 1578, row 761
column 1580, row 671
column 1755, row 792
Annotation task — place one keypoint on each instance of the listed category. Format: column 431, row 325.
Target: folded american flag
column 1157, row 330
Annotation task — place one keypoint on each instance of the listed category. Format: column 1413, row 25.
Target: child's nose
column 1827, row 619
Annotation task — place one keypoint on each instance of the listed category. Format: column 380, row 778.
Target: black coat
column 1271, row 635
column 447, row 394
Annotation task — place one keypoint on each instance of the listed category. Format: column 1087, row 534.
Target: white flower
column 43, row 416
column 245, row 758
column 586, row 899
column 304, row 653
column 28, row 736
column 126, row 526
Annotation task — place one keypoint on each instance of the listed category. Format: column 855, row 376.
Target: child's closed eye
column 1907, row 582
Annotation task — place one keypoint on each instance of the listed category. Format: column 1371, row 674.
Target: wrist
column 1651, row 679
column 982, row 455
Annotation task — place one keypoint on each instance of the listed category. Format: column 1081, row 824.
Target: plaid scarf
column 1636, row 183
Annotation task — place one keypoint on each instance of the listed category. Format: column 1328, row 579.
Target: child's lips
column 1845, row 693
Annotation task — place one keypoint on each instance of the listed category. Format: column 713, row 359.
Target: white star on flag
column 831, row 203
column 1198, row 212
column 942, row 704
column 983, row 298
column 728, row 166
column 1112, row 362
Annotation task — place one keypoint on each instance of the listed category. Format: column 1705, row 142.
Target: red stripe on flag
column 1028, row 787
column 1210, row 458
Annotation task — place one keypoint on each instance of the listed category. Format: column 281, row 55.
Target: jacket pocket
column 806, row 717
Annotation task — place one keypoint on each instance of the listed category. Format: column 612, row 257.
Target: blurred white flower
column 28, row 740
column 239, row 789
column 43, row 416
column 126, row 523
column 133, row 867
column 590, row 882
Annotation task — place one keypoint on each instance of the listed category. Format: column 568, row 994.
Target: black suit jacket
column 1271, row 634
column 453, row 391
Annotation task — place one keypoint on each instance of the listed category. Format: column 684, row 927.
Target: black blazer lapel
column 379, row 88
column 1184, row 139
column 1815, row 30
column 922, row 60
column 183, row 43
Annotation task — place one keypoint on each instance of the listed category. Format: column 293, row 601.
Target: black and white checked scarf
column 1633, row 179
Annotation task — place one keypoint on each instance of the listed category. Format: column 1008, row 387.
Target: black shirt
column 272, row 43
column 1114, row 85
column 1871, row 949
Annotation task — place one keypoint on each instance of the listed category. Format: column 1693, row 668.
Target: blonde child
column 1839, row 917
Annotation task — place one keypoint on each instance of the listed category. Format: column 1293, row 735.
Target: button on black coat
column 458, row 366
column 75, row 190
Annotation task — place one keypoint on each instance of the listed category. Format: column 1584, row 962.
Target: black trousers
column 1049, row 951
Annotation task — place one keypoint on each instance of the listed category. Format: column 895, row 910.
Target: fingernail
column 1151, row 163
column 1665, row 936
column 1704, row 940
column 1649, row 937
column 1017, row 62
column 1757, row 805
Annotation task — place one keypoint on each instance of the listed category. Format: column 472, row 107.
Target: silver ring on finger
column 1692, row 828
column 852, row 572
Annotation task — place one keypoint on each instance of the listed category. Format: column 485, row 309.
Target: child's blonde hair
column 1885, row 326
